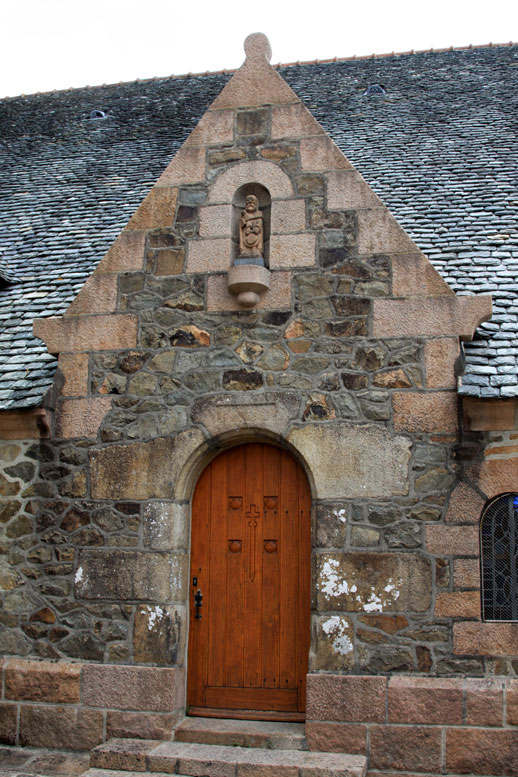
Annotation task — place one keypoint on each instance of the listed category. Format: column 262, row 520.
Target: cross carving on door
column 253, row 514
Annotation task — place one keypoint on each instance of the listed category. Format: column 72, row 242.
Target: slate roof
column 439, row 148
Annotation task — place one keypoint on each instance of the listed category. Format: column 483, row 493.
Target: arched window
column 499, row 552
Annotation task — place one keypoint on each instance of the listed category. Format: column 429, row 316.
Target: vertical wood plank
column 253, row 587
column 198, row 629
column 270, row 560
column 289, row 571
column 216, row 608
column 236, row 620
column 304, row 585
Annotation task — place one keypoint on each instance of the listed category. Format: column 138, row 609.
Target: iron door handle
column 198, row 599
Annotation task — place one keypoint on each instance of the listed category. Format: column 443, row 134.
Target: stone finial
column 257, row 47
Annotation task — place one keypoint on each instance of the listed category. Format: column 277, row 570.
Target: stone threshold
column 185, row 758
column 244, row 733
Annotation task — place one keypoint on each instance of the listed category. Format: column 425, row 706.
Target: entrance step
column 244, row 733
column 119, row 756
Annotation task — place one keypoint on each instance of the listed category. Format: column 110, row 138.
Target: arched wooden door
column 250, row 560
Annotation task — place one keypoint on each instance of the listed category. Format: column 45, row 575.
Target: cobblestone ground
column 41, row 762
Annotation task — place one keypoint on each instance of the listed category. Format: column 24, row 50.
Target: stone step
column 200, row 760
column 245, row 733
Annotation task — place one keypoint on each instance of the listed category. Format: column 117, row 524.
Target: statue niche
column 248, row 275
column 251, row 229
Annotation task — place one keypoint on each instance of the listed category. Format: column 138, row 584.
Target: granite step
column 245, row 733
column 119, row 756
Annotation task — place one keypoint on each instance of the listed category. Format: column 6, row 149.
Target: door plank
column 289, row 572
column 270, row 552
column 236, row 528
column 198, row 633
column 304, row 582
column 216, row 607
column 252, row 698
column 239, row 714
column 253, row 577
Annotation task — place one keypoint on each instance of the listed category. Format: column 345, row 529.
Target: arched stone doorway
column 250, row 559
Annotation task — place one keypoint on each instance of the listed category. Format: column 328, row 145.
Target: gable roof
column 439, row 149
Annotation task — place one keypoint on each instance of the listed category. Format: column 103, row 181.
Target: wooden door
column 250, row 559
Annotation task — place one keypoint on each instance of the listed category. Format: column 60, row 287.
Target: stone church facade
column 345, row 363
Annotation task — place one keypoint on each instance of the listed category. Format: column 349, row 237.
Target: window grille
column 499, row 551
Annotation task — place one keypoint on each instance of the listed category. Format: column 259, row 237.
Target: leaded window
column 499, row 551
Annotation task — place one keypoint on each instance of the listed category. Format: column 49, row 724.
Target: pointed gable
column 322, row 218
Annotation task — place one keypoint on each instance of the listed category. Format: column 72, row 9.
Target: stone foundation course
column 76, row 706
column 417, row 725
column 420, row 725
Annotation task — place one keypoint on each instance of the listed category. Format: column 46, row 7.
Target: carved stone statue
column 251, row 228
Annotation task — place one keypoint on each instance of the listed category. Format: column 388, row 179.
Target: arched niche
column 265, row 206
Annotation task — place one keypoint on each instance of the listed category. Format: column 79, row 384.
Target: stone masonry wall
column 160, row 365
column 22, row 551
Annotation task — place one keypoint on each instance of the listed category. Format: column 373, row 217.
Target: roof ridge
column 227, row 71
column 468, row 47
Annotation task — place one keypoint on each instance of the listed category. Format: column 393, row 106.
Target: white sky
column 56, row 44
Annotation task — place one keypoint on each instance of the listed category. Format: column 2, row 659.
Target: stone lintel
column 270, row 411
column 428, row 317
column 87, row 333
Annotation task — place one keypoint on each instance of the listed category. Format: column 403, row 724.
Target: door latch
column 198, row 598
